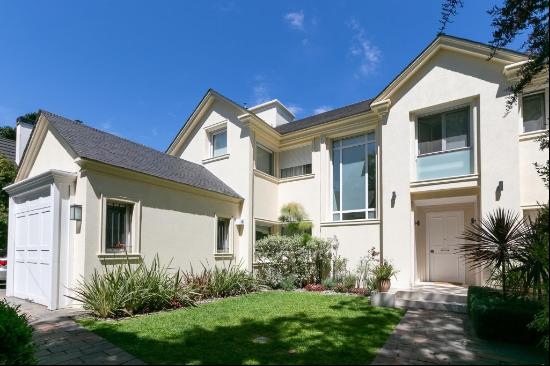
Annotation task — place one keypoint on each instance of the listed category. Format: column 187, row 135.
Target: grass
column 260, row 328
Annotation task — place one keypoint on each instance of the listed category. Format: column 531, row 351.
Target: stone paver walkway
column 435, row 337
column 61, row 341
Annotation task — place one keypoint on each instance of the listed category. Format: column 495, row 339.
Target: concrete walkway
column 436, row 337
column 61, row 341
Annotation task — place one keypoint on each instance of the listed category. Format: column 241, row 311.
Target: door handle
column 432, row 251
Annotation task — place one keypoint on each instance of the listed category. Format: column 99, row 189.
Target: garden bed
column 272, row 327
column 504, row 319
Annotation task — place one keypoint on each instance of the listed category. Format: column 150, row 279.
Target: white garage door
column 33, row 247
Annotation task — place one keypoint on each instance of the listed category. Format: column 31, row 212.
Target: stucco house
column 404, row 172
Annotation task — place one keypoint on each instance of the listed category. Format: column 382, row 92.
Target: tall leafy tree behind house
column 510, row 20
column 8, row 170
column 7, row 132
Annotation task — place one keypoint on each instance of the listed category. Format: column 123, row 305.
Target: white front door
column 443, row 230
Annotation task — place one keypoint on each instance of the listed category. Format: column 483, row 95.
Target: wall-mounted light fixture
column 500, row 185
column 76, row 212
column 239, row 222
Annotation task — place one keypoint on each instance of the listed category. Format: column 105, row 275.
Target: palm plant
column 494, row 242
column 294, row 219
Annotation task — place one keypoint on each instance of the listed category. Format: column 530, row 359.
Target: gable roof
column 92, row 144
column 7, row 148
column 319, row 119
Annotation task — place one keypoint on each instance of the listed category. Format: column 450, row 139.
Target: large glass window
column 219, row 143
column 534, row 115
column 444, row 131
column 295, row 162
column 354, row 178
column 118, row 226
column 264, row 160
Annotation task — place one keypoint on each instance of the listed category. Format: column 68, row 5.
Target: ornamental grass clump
column 132, row 288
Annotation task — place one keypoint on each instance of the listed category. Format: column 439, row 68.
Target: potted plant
column 382, row 274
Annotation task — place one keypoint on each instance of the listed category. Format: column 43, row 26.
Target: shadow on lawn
column 296, row 339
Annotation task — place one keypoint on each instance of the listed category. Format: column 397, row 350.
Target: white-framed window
column 264, row 160
column 118, row 227
column 354, row 177
column 218, row 140
column 443, row 132
column 223, row 235
column 534, row 112
column 263, row 230
column 295, row 162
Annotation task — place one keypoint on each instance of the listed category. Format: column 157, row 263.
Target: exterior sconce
column 239, row 222
column 76, row 212
column 500, row 185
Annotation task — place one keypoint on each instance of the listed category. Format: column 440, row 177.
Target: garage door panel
column 33, row 247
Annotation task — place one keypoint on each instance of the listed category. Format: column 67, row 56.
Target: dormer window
column 219, row 142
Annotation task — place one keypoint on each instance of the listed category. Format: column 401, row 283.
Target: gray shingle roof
column 90, row 143
column 318, row 119
column 7, row 148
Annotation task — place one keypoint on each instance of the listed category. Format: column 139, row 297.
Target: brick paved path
column 435, row 337
column 61, row 341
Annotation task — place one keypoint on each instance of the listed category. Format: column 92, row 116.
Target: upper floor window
column 444, row 131
column 118, row 227
column 295, row 162
column 354, row 178
column 534, row 114
column 264, row 160
column 219, row 143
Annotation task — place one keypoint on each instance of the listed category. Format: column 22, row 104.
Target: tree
column 511, row 20
column 494, row 242
column 294, row 219
column 544, row 169
column 7, row 132
column 8, row 170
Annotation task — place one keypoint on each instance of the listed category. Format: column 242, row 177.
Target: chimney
column 23, row 131
column 273, row 112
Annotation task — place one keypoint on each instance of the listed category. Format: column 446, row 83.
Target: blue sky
column 139, row 68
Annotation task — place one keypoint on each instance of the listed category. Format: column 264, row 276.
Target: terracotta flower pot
column 384, row 285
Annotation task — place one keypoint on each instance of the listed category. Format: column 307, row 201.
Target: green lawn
column 261, row 328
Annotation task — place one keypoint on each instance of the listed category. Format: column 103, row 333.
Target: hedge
column 504, row 319
column 16, row 346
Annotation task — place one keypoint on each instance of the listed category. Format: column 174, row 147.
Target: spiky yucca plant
column 494, row 242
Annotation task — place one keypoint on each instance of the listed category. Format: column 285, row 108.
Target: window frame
column 134, row 227
column 544, row 126
column 367, row 210
column 213, row 135
column 272, row 160
column 229, row 221
column 443, row 113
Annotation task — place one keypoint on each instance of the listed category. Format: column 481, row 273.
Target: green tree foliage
column 8, row 170
column 510, row 20
column 7, row 132
column 294, row 219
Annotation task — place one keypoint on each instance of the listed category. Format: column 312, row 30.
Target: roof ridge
column 113, row 135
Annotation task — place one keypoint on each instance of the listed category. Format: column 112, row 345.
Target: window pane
column 430, row 134
column 219, row 143
column 222, row 245
column 117, row 227
column 262, row 231
column 353, row 215
column 372, row 174
column 336, row 217
column 353, row 178
column 533, row 112
column 353, row 140
column 336, row 180
column 457, row 129
column 264, row 161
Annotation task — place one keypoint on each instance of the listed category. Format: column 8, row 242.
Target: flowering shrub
column 314, row 287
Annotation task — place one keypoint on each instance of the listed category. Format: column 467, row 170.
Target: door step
column 454, row 307
column 431, row 300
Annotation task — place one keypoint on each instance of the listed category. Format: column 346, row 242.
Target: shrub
column 364, row 270
column 328, row 283
column 219, row 282
column 128, row 289
column 360, row 291
column 306, row 258
column 314, row 287
column 289, row 283
column 16, row 346
column 349, row 282
column 501, row 318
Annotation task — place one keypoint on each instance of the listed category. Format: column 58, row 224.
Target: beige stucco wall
column 177, row 225
column 448, row 77
column 52, row 155
column 266, row 198
column 532, row 189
